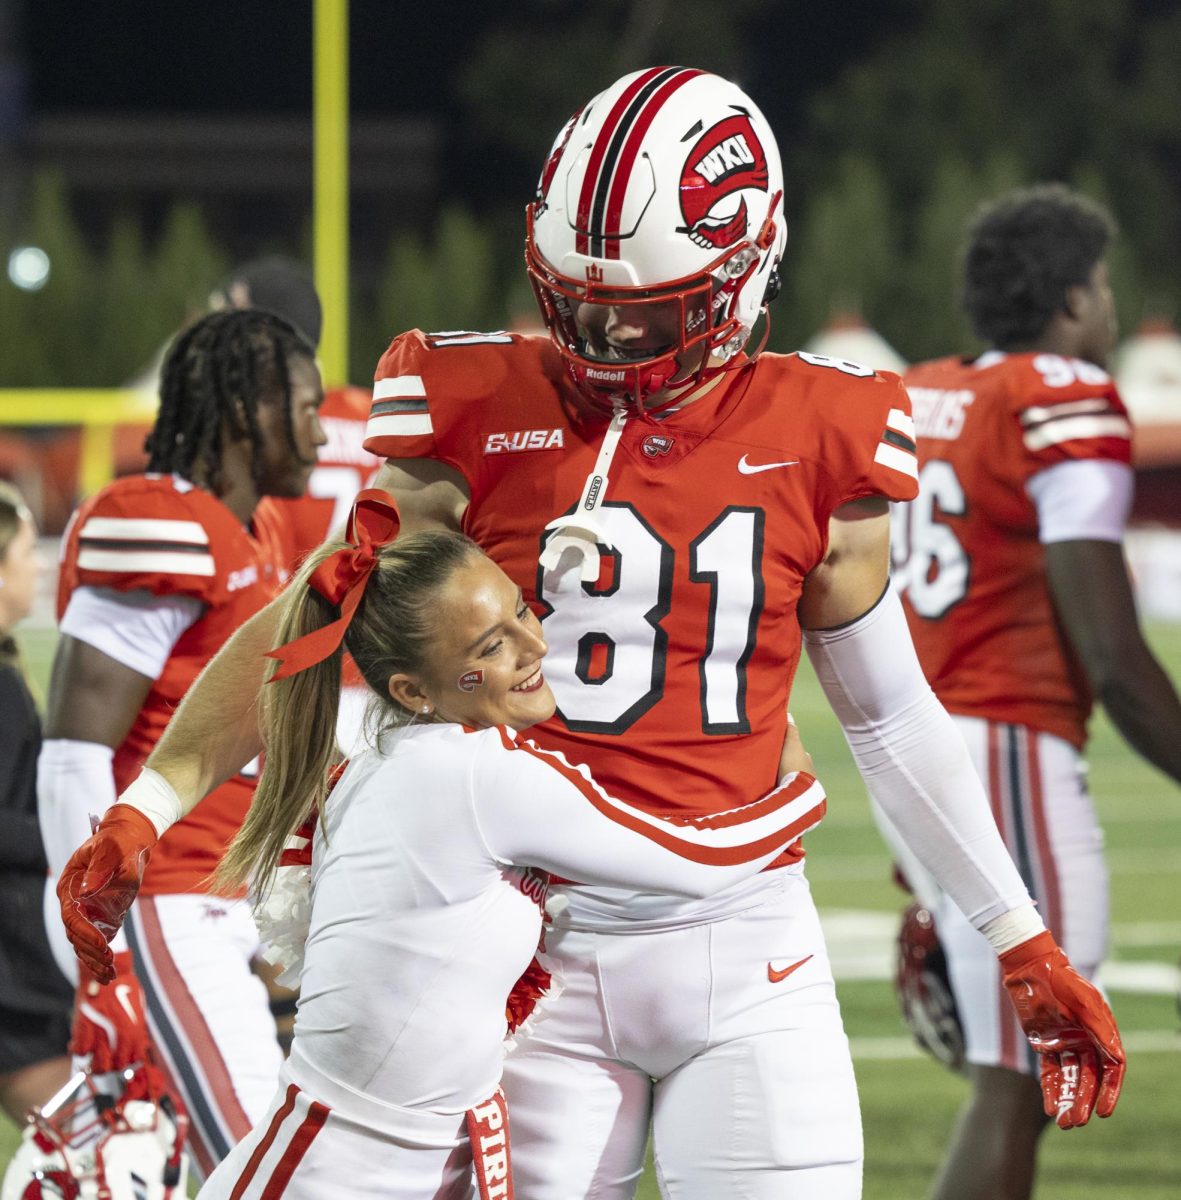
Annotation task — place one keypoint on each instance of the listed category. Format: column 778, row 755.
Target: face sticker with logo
column 470, row 680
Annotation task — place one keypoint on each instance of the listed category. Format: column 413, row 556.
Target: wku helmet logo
column 727, row 158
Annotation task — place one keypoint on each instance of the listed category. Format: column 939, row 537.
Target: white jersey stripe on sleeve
column 141, row 529
column 1070, row 429
column 900, row 422
column 1038, row 413
column 161, row 562
column 398, row 425
column 897, row 459
column 398, row 387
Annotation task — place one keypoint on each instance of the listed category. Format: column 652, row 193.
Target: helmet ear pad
column 774, row 285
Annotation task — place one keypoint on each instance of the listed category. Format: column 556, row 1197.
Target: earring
column 426, row 708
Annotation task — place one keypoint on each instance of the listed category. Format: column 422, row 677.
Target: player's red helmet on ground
column 923, row 987
column 660, row 203
column 89, row 1144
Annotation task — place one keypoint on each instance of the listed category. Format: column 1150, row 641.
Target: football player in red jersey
column 683, row 513
column 157, row 571
column 1013, row 579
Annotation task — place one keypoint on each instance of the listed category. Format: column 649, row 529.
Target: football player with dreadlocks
column 684, row 512
column 157, row 571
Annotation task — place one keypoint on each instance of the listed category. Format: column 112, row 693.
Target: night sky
column 254, row 56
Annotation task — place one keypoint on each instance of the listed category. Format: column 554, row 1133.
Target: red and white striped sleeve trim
column 399, row 408
column 144, row 545
column 896, row 450
column 738, row 835
column 1045, row 425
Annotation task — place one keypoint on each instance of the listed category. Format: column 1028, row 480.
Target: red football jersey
column 160, row 534
column 343, row 468
column 685, row 648
column 968, row 561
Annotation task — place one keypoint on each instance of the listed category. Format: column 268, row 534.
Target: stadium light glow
column 28, row 268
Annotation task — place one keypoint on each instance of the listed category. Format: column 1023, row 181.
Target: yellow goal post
column 98, row 411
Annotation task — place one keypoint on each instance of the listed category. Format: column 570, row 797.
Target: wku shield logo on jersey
column 726, row 159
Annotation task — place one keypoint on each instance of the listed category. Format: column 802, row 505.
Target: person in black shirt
column 35, row 998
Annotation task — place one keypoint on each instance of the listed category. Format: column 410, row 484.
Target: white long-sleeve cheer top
column 424, row 910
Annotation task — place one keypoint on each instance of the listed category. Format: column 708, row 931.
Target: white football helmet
column 655, row 237
column 87, row 1144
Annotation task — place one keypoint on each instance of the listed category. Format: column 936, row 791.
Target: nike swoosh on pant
column 779, row 976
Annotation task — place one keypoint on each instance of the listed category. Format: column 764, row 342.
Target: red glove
column 109, row 1021
column 1069, row 1024
column 99, row 883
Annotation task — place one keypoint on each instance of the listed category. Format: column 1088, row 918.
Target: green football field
column 909, row 1102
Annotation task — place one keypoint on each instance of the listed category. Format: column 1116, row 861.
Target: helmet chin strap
column 577, row 537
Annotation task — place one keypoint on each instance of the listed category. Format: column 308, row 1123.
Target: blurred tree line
column 884, row 161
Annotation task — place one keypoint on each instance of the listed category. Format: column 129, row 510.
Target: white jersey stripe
column 897, row 460
column 140, row 529
column 1070, row 429
column 161, row 562
column 1068, row 408
column 399, row 425
column 900, row 422
column 398, row 387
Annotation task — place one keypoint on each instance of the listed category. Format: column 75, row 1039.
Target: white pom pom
column 283, row 917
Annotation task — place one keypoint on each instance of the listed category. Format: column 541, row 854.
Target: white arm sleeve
column 914, row 761
column 74, row 781
column 1083, row 500
column 137, row 629
column 533, row 808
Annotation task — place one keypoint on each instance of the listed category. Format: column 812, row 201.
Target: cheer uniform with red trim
column 672, row 672
column 425, row 909
column 993, row 435
column 208, row 1012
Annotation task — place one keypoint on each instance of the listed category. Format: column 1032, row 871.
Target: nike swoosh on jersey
column 779, row 976
column 747, row 468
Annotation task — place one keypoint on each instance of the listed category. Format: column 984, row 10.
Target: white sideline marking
column 861, row 949
column 876, row 867
column 886, row 1049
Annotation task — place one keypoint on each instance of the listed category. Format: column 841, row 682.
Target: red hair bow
column 373, row 522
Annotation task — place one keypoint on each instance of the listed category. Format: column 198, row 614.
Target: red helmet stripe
column 603, row 153
column 582, row 217
column 627, row 158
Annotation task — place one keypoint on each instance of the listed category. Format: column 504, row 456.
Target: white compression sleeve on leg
column 914, row 761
